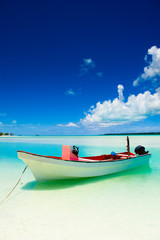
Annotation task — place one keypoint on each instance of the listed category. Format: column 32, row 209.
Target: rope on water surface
column 1, row 202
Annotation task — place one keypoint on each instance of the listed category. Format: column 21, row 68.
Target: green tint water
column 89, row 145
column 116, row 206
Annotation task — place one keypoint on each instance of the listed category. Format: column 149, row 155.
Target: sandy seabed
column 104, row 208
column 124, row 206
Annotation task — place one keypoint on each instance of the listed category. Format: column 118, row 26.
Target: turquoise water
column 125, row 205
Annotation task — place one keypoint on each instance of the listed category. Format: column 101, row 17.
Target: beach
column 119, row 206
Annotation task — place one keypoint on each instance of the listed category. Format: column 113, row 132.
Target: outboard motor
column 140, row 150
column 75, row 150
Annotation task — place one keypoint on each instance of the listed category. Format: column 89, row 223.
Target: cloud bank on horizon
column 136, row 108
column 118, row 112
column 70, row 124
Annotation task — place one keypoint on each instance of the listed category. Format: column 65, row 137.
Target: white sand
column 112, row 208
column 125, row 207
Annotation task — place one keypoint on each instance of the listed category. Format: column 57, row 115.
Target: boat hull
column 46, row 168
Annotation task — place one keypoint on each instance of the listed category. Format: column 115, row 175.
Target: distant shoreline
column 105, row 134
column 146, row 133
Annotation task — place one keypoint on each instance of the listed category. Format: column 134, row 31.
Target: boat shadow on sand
column 140, row 172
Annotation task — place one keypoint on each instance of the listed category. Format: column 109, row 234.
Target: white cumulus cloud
column 120, row 92
column 70, row 91
column 152, row 71
column 14, row 121
column 118, row 112
column 99, row 74
column 87, row 64
column 68, row 125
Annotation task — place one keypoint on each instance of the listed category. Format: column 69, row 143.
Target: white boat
column 71, row 166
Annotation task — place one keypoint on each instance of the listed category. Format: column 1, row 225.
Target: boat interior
column 100, row 158
column 104, row 157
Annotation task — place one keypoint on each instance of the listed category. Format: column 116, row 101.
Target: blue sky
column 69, row 67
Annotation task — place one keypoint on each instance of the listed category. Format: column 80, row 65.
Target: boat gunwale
column 80, row 161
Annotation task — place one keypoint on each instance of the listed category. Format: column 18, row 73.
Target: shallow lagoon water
column 119, row 206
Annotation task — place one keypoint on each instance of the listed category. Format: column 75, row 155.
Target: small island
column 6, row 134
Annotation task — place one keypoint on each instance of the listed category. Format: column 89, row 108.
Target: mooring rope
column 1, row 202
